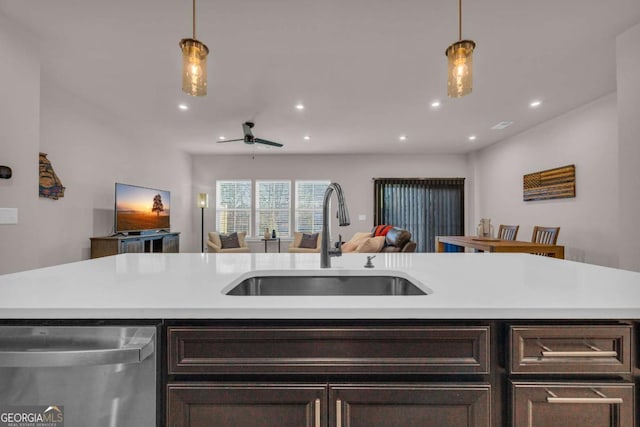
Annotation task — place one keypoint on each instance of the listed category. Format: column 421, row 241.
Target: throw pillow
column 309, row 241
column 353, row 243
column 381, row 230
column 230, row 241
column 371, row 244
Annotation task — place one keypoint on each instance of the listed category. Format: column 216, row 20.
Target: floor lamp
column 203, row 202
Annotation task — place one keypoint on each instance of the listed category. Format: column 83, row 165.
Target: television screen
column 141, row 208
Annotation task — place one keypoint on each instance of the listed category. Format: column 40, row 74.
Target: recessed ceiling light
column 183, row 107
column 222, row 138
column 472, row 138
column 502, row 125
column 535, row 103
column 435, row 104
column 403, row 137
column 300, row 106
column 306, row 137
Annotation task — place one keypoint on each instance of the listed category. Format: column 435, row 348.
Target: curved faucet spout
column 343, row 219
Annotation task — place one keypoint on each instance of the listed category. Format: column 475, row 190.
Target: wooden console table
column 496, row 245
column 152, row 242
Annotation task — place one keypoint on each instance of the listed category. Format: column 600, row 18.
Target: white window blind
column 233, row 206
column 273, row 207
column 309, row 198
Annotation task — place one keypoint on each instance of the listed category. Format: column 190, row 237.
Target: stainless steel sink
column 325, row 285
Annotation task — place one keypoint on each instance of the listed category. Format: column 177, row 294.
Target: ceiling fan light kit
column 194, row 63
column 460, row 63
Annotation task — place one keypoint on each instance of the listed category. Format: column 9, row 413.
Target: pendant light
column 194, row 63
column 460, row 63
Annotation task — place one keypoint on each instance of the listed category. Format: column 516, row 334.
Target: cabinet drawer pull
column 338, row 413
column 598, row 353
column 603, row 400
column 317, row 413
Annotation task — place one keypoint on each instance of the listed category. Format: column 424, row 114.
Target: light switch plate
column 8, row 215
column 362, row 217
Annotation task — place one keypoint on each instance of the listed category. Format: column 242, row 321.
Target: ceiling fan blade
column 230, row 140
column 266, row 142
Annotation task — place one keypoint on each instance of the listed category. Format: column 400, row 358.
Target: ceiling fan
column 250, row 139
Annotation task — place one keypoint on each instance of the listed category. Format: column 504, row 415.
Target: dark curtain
column 427, row 207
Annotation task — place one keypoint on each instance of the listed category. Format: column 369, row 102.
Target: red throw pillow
column 381, row 230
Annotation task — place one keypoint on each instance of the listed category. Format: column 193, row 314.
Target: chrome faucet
column 343, row 219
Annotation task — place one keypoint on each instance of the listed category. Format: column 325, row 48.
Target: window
column 309, row 198
column 233, row 206
column 273, row 207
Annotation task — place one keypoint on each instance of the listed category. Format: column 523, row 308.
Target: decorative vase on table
column 273, row 234
column 267, row 235
column 485, row 229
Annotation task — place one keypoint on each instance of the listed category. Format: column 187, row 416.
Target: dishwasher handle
column 137, row 349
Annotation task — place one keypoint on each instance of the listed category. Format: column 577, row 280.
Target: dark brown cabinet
column 572, row 404
column 411, row 405
column 377, row 373
column 243, row 405
column 315, row 405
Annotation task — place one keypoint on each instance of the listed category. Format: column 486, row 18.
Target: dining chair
column 508, row 232
column 545, row 235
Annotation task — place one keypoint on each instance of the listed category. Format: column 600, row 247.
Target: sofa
column 215, row 243
column 294, row 247
column 393, row 239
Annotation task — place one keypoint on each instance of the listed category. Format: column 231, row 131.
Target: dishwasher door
column 78, row 376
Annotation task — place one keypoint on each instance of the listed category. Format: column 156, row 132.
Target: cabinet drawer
column 322, row 350
column 570, row 349
column 572, row 404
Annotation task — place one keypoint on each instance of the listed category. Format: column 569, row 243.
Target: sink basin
column 325, row 285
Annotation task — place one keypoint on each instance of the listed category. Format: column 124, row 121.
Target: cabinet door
column 243, row 405
column 411, row 405
column 572, row 404
column 131, row 246
column 170, row 244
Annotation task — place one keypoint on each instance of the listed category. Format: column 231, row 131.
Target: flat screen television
column 141, row 209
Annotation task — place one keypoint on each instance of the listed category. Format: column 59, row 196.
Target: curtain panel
column 427, row 207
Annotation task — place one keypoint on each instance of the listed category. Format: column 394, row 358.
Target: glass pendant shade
column 194, row 67
column 203, row 200
column 460, row 68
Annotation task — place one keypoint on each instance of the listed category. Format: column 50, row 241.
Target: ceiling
column 366, row 70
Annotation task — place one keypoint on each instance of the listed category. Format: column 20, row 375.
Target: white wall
column 19, row 127
column 89, row 153
column 628, row 64
column 353, row 172
column 586, row 137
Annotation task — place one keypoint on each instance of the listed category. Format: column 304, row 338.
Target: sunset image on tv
column 140, row 208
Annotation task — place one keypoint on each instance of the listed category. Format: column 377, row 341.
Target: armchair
column 214, row 243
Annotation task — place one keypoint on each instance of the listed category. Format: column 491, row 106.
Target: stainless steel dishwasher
column 78, row 376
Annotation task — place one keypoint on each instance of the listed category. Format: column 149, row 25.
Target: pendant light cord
column 459, row 19
column 194, row 19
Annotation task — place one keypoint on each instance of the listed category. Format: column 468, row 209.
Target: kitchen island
column 460, row 286
column 498, row 339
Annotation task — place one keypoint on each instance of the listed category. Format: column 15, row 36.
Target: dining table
column 488, row 244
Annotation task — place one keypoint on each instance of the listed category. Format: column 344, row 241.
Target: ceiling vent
column 501, row 125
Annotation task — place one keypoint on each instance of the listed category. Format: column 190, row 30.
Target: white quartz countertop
column 191, row 286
